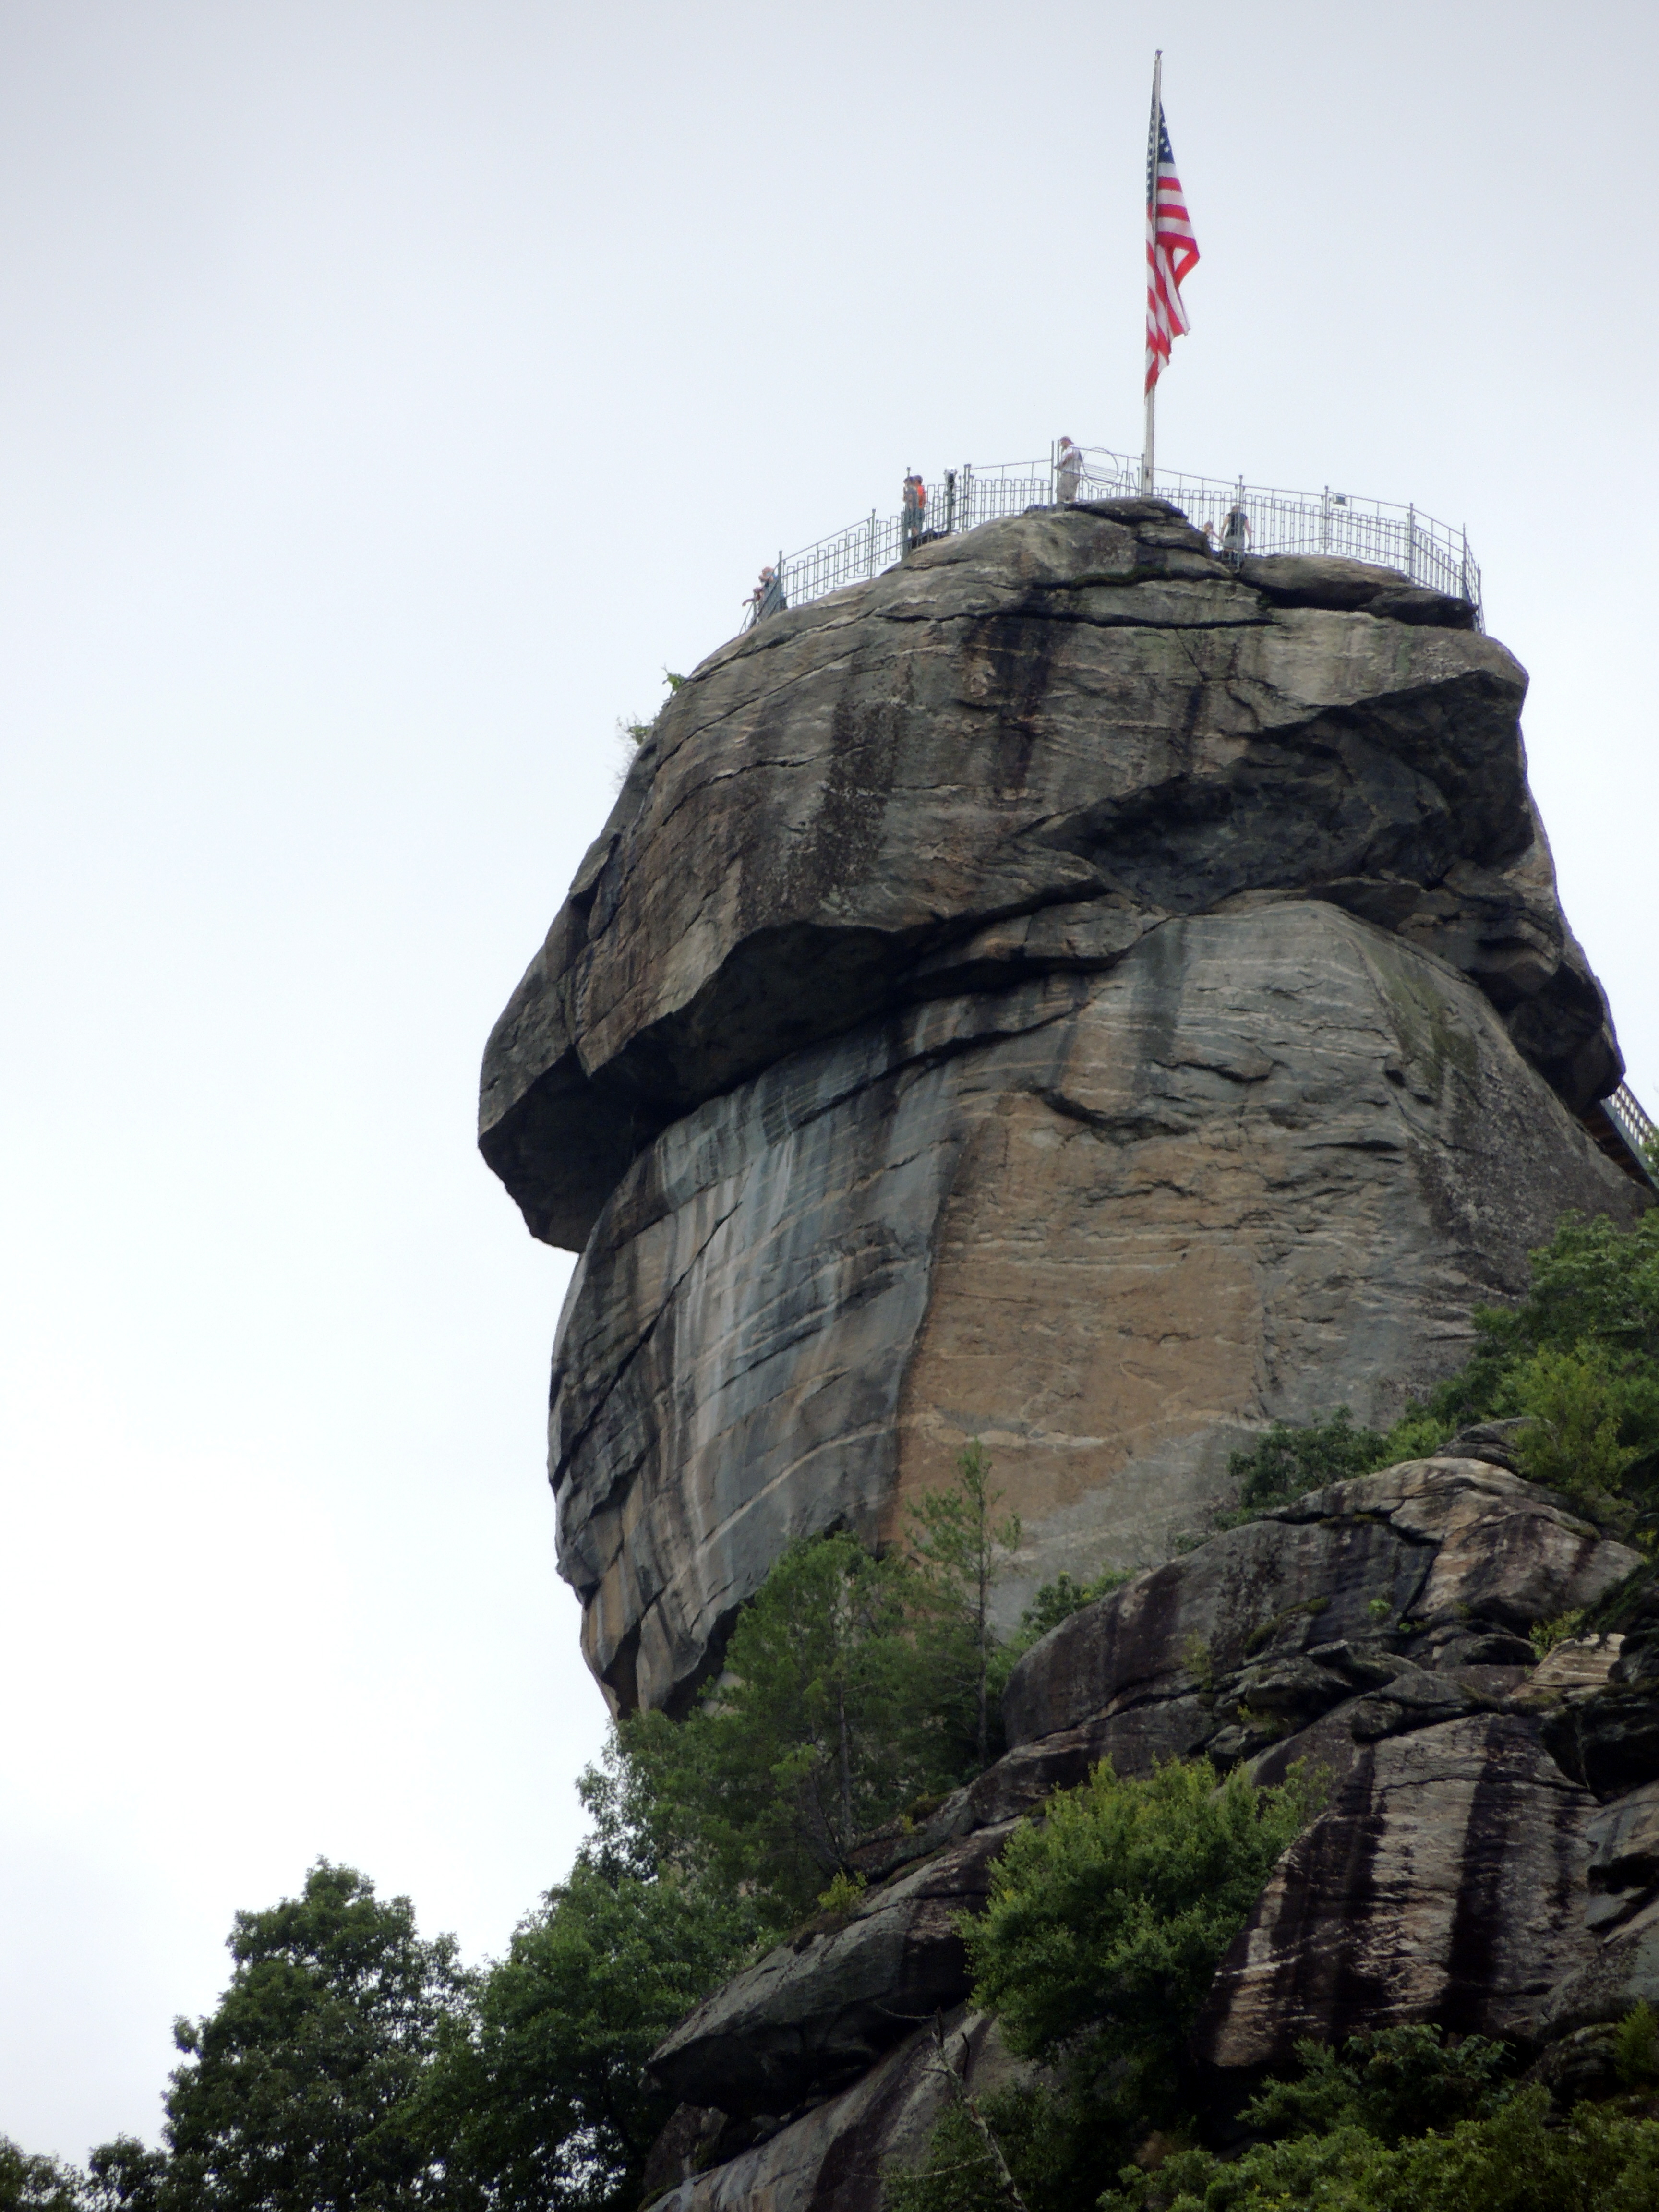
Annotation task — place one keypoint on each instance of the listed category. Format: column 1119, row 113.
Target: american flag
column 1171, row 249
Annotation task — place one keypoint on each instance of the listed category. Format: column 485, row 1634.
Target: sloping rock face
column 1267, row 1164
column 1445, row 1883
column 814, row 2013
column 1058, row 991
column 833, row 2157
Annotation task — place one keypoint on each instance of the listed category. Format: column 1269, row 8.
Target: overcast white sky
column 388, row 392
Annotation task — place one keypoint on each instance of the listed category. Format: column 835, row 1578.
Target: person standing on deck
column 1069, row 468
column 915, row 510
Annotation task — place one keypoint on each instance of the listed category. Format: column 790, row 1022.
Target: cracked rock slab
column 833, row 2157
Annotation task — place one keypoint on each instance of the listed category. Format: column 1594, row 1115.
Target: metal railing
column 1624, row 1110
column 1425, row 551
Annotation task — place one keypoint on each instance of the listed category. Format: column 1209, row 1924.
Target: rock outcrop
column 814, row 2013
column 834, row 2155
column 1024, row 748
column 1060, row 990
column 1444, row 1884
column 1375, row 1631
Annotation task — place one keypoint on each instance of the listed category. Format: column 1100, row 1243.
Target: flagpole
column 1149, row 439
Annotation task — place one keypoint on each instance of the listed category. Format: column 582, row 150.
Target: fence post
column 873, row 541
column 949, row 501
column 1325, row 522
column 1411, row 544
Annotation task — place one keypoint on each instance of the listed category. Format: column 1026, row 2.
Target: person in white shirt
column 1069, row 470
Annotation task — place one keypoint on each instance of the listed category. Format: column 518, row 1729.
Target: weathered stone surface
column 1025, row 746
column 1624, row 1867
column 1444, row 1884
column 1274, row 1641
column 1574, row 1668
column 1488, row 1440
column 1459, row 1542
column 1622, row 1972
column 1625, row 1841
column 832, row 2158
column 1268, row 1589
column 1507, row 1552
column 1110, row 1224
column 1061, row 990
column 817, row 2010
column 1291, row 579
column 1609, row 1740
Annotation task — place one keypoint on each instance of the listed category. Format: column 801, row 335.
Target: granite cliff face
column 1060, row 990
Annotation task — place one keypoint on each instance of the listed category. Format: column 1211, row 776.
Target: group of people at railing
column 1072, row 477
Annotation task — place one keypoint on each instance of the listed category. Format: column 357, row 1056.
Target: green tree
column 126, row 2175
column 960, row 1550
column 814, row 1735
column 31, row 2183
column 1580, row 1355
column 1058, row 1601
column 1571, row 1441
column 1519, row 2159
column 1392, row 2082
column 294, row 2095
column 539, row 2100
column 1292, row 1459
column 1103, row 1927
column 1577, row 1359
column 1106, row 1918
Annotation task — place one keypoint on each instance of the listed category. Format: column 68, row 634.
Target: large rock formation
column 1060, row 990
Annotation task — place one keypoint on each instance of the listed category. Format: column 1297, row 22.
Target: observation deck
column 1425, row 551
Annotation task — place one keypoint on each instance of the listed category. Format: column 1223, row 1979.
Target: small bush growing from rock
column 1544, row 1635
column 842, row 1894
column 1577, row 1359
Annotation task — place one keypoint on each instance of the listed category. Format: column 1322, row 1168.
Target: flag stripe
column 1171, row 251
